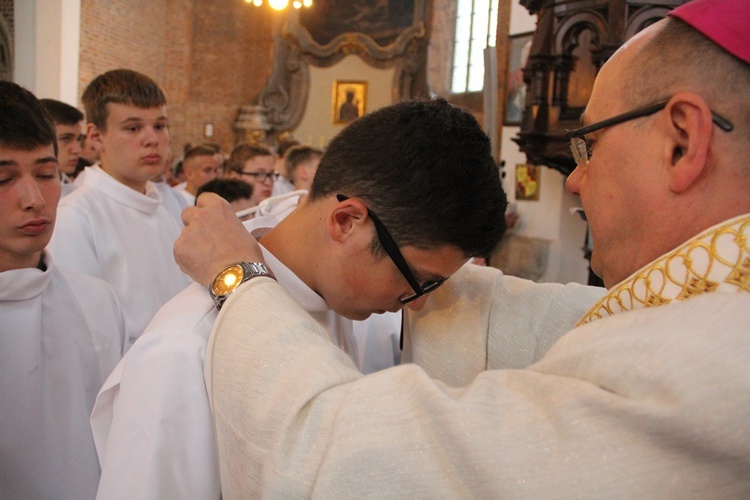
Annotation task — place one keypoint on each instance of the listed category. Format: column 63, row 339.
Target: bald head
column 656, row 181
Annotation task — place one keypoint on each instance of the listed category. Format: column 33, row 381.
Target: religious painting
column 515, row 95
column 349, row 100
column 381, row 20
column 528, row 181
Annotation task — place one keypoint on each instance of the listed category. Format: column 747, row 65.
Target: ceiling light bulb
column 278, row 4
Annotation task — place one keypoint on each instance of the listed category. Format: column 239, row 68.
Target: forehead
column 117, row 113
column 200, row 161
column 434, row 263
column 608, row 95
column 26, row 158
column 261, row 162
column 68, row 128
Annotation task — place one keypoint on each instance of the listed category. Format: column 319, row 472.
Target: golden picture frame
column 528, row 182
column 349, row 100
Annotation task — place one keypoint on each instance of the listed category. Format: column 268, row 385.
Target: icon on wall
column 349, row 100
column 528, row 181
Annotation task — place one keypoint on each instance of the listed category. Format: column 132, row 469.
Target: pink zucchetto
column 726, row 22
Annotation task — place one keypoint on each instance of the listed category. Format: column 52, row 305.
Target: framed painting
column 349, row 100
column 528, row 182
column 515, row 93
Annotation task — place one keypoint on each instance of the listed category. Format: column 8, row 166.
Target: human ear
column 93, row 133
column 690, row 128
column 345, row 218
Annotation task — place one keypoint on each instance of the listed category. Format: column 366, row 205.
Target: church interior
column 235, row 71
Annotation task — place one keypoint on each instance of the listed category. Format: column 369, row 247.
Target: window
column 476, row 29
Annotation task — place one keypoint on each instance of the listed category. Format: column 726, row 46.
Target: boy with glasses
column 253, row 163
column 649, row 396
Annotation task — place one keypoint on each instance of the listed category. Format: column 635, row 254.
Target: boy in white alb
column 116, row 225
column 67, row 120
column 61, row 332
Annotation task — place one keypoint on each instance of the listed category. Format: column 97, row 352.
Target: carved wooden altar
column 573, row 39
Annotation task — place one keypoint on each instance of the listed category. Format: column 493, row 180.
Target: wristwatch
column 233, row 276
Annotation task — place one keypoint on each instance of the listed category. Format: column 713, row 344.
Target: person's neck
column 12, row 262
column 294, row 242
column 133, row 184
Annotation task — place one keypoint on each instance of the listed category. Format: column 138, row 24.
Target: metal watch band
column 249, row 270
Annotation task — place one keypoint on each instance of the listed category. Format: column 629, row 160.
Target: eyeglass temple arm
column 390, row 248
column 720, row 121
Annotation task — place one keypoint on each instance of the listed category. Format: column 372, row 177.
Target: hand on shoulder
column 213, row 238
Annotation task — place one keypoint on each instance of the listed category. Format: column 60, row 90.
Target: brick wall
column 209, row 56
column 6, row 14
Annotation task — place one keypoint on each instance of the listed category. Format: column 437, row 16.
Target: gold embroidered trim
column 716, row 260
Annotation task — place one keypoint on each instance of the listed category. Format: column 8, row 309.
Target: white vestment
column 483, row 320
column 66, row 185
column 282, row 186
column 107, row 230
column 648, row 397
column 152, row 421
column 61, row 333
column 188, row 198
column 173, row 201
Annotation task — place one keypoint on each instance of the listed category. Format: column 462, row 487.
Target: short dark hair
column 120, row 86
column 24, row 123
column 285, row 145
column 229, row 189
column 297, row 155
column 426, row 169
column 62, row 113
column 243, row 152
column 200, row 150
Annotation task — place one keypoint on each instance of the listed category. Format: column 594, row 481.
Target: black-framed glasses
column 581, row 150
column 390, row 247
column 262, row 176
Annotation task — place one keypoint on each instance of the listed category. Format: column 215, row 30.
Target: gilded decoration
column 718, row 260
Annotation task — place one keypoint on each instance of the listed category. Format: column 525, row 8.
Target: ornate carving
column 572, row 41
column 295, row 50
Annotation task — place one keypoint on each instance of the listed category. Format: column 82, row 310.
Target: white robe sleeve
column 152, row 421
column 653, row 404
column 481, row 320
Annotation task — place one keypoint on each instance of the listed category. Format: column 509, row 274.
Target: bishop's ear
column 690, row 127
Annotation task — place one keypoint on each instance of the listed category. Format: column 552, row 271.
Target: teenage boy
column 200, row 165
column 301, row 163
column 116, row 225
column 68, row 131
column 253, row 163
column 61, row 333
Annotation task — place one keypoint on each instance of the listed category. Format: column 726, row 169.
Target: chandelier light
column 282, row 4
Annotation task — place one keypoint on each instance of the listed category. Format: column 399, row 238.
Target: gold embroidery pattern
column 716, row 260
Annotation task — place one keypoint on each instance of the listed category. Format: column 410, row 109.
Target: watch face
column 227, row 280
